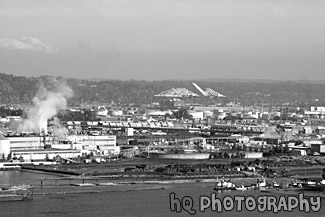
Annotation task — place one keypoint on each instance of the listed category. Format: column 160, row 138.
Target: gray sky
column 164, row 39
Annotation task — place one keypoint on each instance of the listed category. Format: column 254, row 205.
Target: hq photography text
column 237, row 203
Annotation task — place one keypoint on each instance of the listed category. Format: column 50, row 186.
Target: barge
column 16, row 193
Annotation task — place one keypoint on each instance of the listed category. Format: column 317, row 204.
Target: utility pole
column 178, row 156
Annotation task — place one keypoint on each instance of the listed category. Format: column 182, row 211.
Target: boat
column 276, row 185
column 241, row 188
column 265, row 190
column 16, row 193
column 261, row 182
column 312, row 185
column 295, row 184
column 84, row 184
column 224, row 185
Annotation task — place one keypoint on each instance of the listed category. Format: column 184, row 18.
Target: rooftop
column 177, row 92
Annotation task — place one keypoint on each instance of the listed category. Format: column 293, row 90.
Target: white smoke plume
column 46, row 105
column 59, row 130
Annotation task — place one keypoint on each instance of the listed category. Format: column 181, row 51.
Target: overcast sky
column 164, row 39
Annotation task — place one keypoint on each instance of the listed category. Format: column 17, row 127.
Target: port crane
column 208, row 92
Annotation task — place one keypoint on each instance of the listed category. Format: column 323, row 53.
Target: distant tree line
column 5, row 112
column 82, row 115
column 20, row 89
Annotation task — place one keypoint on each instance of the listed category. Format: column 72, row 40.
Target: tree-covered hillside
column 19, row 89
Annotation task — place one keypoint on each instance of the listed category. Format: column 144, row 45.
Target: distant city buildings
column 96, row 130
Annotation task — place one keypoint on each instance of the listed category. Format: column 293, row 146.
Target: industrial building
column 37, row 147
column 318, row 148
column 4, row 147
column 45, row 154
column 104, row 145
column 27, row 143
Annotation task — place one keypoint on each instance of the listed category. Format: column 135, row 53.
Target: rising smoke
column 46, row 104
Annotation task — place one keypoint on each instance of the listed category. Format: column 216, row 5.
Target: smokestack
column 44, row 139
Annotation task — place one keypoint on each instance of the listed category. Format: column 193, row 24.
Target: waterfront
column 16, row 177
column 131, row 200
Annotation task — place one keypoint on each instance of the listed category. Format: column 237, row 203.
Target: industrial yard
column 182, row 135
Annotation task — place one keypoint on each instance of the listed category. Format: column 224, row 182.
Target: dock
column 6, row 166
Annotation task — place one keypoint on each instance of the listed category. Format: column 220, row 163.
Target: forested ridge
column 21, row 89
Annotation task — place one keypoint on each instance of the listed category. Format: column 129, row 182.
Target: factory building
column 26, row 143
column 4, row 147
column 318, row 148
column 104, row 143
column 98, row 145
column 35, row 148
column 45, row 154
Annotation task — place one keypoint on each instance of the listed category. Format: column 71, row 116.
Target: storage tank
column 4, row 147
column 275, row 114
column 239, row 115
column 233, row 114
column 222, row 115
column 207, row 114
column 117, row 113
column 266, row 116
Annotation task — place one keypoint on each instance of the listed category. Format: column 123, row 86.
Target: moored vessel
column 241, row 188
column 16, row 193
column 224, row 185
column 261, row 182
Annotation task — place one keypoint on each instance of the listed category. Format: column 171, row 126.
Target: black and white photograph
column 158, row 108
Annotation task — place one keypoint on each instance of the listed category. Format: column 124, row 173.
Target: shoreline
column 132, row 178
column 132, row 175
column 152, row 185
column 86, row 185
column 97, row 191
column 293, row 192
column 45, row 172
column 67, row 183
column 49, row 171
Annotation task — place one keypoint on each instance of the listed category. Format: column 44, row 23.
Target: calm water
column 15, row 177
column 127, row 203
